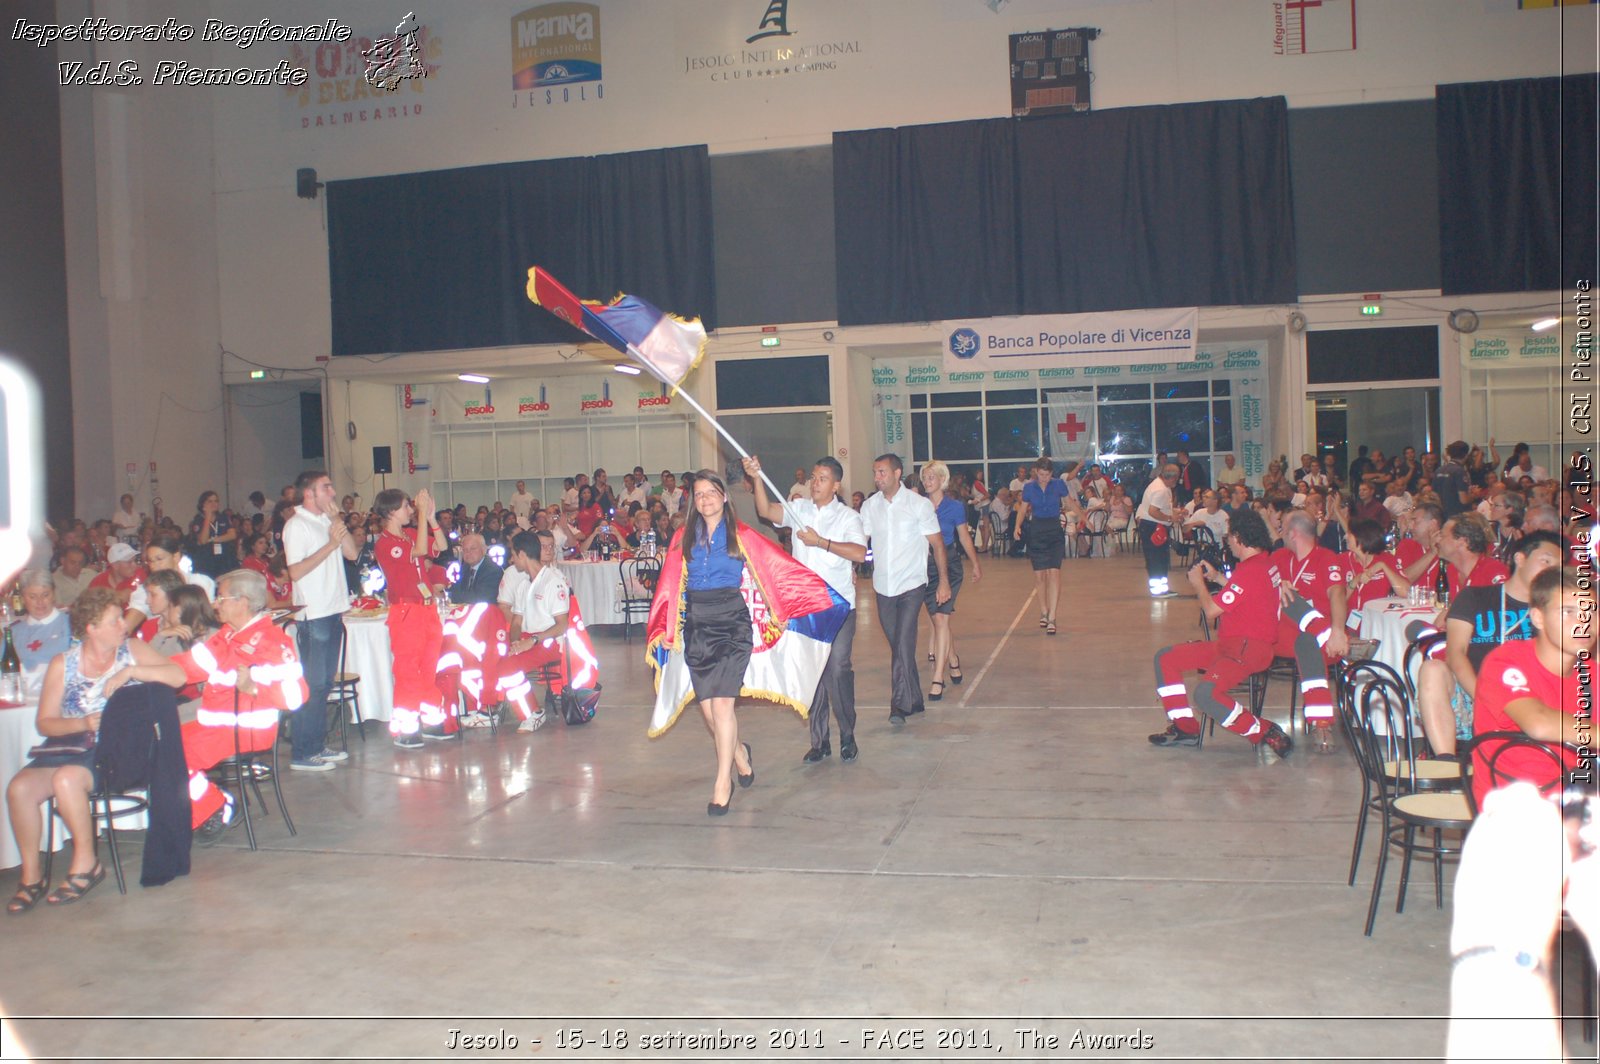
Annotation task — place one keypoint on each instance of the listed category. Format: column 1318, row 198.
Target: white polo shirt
column 323, row 591
column 1156, row 494
column 511, row 585
column 899, row 530
column 542, row 600
column 837, row 522
column 521, row 503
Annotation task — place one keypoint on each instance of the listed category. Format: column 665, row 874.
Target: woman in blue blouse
column 1040, row 514
column 952, row 515
column 716, row 629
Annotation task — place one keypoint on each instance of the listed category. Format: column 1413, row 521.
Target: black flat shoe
column 936, row 696
column 713, row 809
column 745, row 779
column 819, row 753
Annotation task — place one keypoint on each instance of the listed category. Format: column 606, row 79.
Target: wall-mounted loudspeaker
column 381, row 462
column 306, row 183
column 1464, row 321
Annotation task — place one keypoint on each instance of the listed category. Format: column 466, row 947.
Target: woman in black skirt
column 716, row 630
column 1047, row 545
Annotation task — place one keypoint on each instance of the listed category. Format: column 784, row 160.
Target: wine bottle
column 11, row 687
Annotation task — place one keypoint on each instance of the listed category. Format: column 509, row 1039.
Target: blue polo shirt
column 1044, row 502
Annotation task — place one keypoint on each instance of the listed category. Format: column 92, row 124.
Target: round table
column 17, row 736
column 596, row 584
column 1386, row 620
column 367, row 655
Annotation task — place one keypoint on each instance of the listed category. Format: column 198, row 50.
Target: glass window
column 946, row 400
column 1222, row 425
column 746, row 383
column 1012, row 397
column 1190, row 389
column 958, row 435
column 1014, row 433
column 1221, row 387
column 919, row 437
column 919, row 401
column 1125, row 429
column 1115, row 393
column 1183, row 426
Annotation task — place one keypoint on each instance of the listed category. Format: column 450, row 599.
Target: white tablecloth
column 17, row 737
column 1386, row 621
column 367, row 654
column 596, row 585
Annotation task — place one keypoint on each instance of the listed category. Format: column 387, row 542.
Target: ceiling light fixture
column 472, row 378
column 1545, row 323
column 632, row 371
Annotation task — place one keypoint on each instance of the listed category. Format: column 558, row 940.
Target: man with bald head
column 1156, row 515
column 480, row 576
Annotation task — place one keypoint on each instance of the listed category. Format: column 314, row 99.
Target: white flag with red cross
column 1071, row 425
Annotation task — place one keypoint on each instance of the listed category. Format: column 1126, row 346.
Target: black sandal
column 932, row 697
column 955, row 675
column 76, row 885
column 26, row 897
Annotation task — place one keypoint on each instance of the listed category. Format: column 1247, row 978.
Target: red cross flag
column 1072, row 425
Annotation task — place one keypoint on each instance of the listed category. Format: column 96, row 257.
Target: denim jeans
column 318, row 643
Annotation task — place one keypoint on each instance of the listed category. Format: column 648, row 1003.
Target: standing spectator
column 1368, row 507
column 1191, row 478
column 670, row 494
column 1156, row 515
column 1229, row 473
column 521, row 503
column 902, row 527
column 125, row 522
column 212, row 538
column 315, row 546
column 633, row 492
column 1362, row 465
column 415, row 632
column 830, row 541
column 800, row 488
column 1451, row 482
column 1039, row 520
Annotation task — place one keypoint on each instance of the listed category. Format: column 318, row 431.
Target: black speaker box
column 381, row 462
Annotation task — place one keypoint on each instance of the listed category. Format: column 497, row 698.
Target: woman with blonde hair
column 952, row 516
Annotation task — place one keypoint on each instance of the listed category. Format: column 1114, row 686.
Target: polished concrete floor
column 1017, row 857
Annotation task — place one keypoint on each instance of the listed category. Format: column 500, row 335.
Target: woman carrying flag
column 734, row 615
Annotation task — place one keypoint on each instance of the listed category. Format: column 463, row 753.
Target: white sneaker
column 534, row 723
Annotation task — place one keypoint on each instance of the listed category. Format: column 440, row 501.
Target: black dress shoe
column 847, row 749
column 896, row 717
column 818, row 753
column 746, row 779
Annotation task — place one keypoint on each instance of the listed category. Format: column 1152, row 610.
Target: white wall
column 185, row 235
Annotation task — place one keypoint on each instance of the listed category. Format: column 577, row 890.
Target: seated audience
column 480, row 576
column 43, row 631
column 77, row 685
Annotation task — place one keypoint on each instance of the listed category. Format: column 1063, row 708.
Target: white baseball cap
column 121, row 552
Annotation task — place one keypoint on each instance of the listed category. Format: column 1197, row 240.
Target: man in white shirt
column 829, row 540
column 1229, row 473
column 71, row 576
column 538, row 627
column 632, row 492
column 800, row 488
column 1210, row 514
column 315, row 544
column 903, row 528
column 521, row 503
column 671, row 494
column 1156, row 514
column 125, row 522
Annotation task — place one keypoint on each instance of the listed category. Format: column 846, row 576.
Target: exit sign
column 1372, row 310
column 770, row 341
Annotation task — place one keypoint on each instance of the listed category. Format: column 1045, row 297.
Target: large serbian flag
column 665, row 342
column 794, row 616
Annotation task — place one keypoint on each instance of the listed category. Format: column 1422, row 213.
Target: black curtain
column 439, row 260
column 924, row 221
column 1142, row 207
column 1516, row 184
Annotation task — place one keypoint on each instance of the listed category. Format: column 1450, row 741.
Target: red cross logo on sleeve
column 1071, row 427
